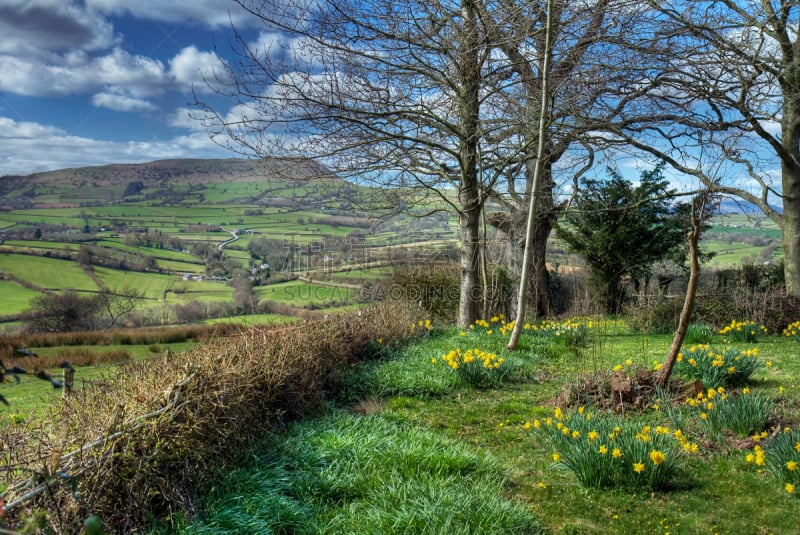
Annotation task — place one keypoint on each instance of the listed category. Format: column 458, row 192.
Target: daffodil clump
column 495, row 325
column 608, row 451
column 572, row 332
column 476, row 367
column 727, row 366
column 423, row 325
column 793, row 331
column 781, row 458
column 629, row 365
column 743, row 331
column 741, row 412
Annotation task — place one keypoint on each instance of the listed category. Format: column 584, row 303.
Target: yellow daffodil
column 657, row 457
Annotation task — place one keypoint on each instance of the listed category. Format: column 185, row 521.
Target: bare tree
column 590, row 63
column 384, row 92
column 117, row 305
column 700, row 203
column 725, row 84
column 530, row 230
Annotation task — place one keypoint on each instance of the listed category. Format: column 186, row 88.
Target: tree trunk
column 539, row 304
column 790, row 182
column 791, row 227
column 691, row 291
column 470, row 295
column 469, row 302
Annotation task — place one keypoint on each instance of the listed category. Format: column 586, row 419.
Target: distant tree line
column 155, row 239
column 91, row 255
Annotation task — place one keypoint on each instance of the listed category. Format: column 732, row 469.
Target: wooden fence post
column 67, row 381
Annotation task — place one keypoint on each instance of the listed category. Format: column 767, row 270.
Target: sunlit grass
column 367, row 475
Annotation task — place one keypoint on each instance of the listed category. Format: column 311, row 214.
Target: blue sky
column 90, row 82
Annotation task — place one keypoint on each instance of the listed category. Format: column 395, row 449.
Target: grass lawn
column 357, row 472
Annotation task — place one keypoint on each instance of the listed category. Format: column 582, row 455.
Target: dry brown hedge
column 161, row 431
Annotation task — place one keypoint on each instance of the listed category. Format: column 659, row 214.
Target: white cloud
column 298, row 52
column 192, row 68
column 21, row 149
column 11, row 129
column 37, row 27
column 212, row 13
column 124, row 103
column 77, row 73
column 188, row 119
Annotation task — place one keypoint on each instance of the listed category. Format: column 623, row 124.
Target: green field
column 15, row 298
column 47, row 273
column 303, row 294
column 151, row 285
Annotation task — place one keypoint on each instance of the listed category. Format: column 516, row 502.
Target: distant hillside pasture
column 371, row 274
column 49, row 273
column 731, row 254
column 181, row 267
column 158, row 254
column 39, row 245
column 15, row 298
column 203, row 291
column 152, row 285
column 303, row 294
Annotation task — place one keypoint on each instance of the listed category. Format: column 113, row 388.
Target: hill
column 169, row 227
column 115, row 182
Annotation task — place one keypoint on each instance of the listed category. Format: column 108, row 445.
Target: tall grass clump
column 609, row 451
column 350, row 474
column 715, row 367
column 699, row 333
column 154, row 435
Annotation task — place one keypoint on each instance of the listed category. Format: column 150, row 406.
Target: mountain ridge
column 176, row 171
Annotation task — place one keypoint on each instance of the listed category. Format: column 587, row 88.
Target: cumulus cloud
column 188, row 119
column 36, row 27
column 192, row 68
column 124, row 103
column 212, row 13
column 11, row 129
column 21, row 149
column 78, row 73
column 276, row 46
